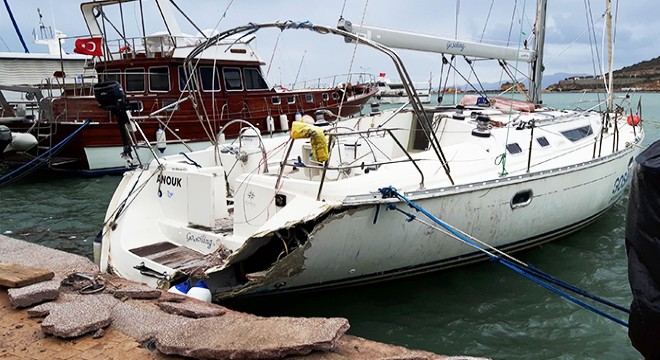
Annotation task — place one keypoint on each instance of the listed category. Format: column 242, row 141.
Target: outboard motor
column 5, row 139
column 111, row 97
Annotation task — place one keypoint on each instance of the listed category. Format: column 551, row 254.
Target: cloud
column 566, row 51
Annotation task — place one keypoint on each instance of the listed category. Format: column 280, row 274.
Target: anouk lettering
column 169, row 180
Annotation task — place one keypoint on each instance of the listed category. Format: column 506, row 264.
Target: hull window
column 233, row 81
column 521, row 199
column 134, row 80
column 184, row 84
column 159, row 79
column 210, row 78
column 254, row 80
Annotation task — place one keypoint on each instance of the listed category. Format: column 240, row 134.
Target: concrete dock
column 53, row 319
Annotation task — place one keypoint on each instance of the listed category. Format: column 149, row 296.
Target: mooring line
column 526, row 270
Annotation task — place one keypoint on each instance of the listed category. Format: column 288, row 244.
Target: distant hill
column 643, row 76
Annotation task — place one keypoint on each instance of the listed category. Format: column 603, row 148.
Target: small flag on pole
column 89, row 46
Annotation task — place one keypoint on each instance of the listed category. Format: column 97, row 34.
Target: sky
column 305, row 55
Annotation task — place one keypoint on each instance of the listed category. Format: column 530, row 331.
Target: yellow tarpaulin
column 302, row 130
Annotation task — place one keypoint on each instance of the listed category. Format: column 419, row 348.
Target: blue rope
column 39, row 160
column 528, row 272
column 18, row 31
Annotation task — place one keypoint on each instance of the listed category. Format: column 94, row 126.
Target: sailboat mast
column 539, row 42
column 610, row 54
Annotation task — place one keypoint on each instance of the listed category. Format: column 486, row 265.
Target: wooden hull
column 97, row 147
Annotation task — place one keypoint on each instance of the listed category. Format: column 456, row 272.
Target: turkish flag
column 89, row 46
column 381, row 75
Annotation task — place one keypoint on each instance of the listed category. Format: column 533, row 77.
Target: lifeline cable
column 16, row 174
column 527, row 271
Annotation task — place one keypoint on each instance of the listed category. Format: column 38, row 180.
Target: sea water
column 479, row 310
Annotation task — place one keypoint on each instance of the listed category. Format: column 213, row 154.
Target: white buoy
column 200, row 291
column 97, row 245
column 180, row 288
column 284, row 122
column 161, row 140
column 270, row 124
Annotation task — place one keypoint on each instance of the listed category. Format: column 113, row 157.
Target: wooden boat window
column 135, row 80
column 513, row 148
column 210, row 78
column 290, row 99
column 543, row 141
column 335, row 96
column 233, row 79
column 309, row 98
column 159, row 79
column 325, row 97
column 578, row 133
column 110, row 76
column 254, row 80
column 184, row 84
column 275, row 100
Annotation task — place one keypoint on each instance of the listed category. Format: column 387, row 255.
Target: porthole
column 521, row 198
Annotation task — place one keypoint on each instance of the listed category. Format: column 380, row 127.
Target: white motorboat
column 390, row 92
column 266, row 215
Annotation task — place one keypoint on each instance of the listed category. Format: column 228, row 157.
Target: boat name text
column 455, row 45
column 202, row 239
column 169, row 180
column 620, row 182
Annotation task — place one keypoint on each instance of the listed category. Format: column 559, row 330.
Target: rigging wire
column 350, row 66
column 515, row 88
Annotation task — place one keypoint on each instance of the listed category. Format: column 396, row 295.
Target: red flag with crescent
column 89, row 46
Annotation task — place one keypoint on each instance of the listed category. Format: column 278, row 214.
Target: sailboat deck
column 178, row 257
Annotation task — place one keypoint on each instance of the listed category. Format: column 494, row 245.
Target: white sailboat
column 285, row 214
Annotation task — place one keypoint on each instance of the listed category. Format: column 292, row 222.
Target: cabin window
column 513, row 148
column 110, row 76
column 167, row 103
column 325, row 97
column 134, row 80
column 290, row 99
column 309, row 98
column 159, row 78
column 210, row 78
column 578, row 133
column 335, row 96
column 233, row 80
column 276, row 100
column 254, row 80
column 542, row 141
column 184, row 85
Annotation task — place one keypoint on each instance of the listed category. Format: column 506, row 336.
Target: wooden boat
column 151, row 70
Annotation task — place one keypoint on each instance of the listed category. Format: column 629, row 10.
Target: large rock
column 75, row 316
column 35, row 293
column 137, row 291
column 229, row 337
column 192, row 308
